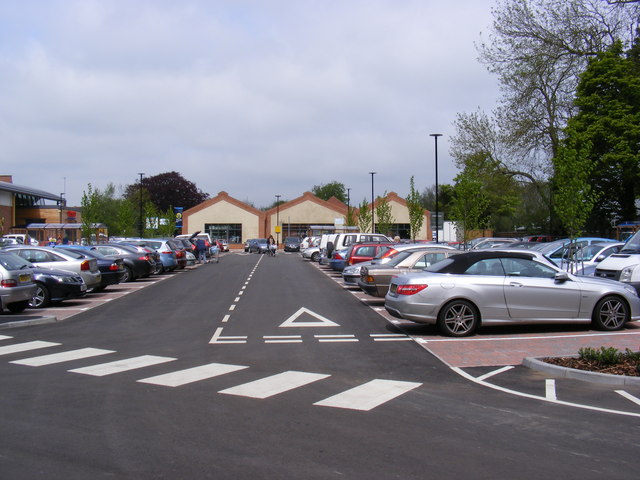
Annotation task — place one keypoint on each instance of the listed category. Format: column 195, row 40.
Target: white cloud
column 254, row 98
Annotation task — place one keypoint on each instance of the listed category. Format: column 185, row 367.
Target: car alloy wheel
column 611, row 313
column 458, row 318
column 41, row 298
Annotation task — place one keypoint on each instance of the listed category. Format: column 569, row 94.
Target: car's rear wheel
column 458, row 318
column 42, row 297
column 611, row 313
column 128, row 275
column 17, row 307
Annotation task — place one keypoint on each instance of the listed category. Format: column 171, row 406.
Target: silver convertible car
column 492, row 287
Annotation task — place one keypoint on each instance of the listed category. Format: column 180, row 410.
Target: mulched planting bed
column 626, row 367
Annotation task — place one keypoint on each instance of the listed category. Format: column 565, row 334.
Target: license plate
column 24, row 277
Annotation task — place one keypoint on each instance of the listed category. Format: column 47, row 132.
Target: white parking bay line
column 62, row 357
column 275, row 384
column 25, row 347
column 190, row 375
column 122, row 365
column 390, row 337
column 628, row 396
column 369, row 395
column 5, row 337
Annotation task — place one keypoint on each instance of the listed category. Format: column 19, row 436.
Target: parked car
column 137, row 263
column 223, row 246
column 493, row 287
column 57, row 259
column 54, row 286
column 559, row 251
column 291, row 244
column 362, row 252
column 311, row 253
column 258, row 245
column 166, row 248
column 585, row 260
column 497, row 242
column 17, row 285
column 22, row 238
column 338, row 260
column 375, row 279
column 111, row 268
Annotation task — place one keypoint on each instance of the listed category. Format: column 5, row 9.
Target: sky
column 254, row 98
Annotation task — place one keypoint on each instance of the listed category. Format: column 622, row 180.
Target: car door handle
column 515, row 284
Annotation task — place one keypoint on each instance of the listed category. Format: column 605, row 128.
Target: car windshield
column 398, row 257
column 11, row 261
column 586, row 253
column 632, row 245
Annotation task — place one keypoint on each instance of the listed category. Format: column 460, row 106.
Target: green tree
column 91, row 212
column 573, row 196
column 384, row 215
column 416, row 211
column 608, row 101
column 469, row 205
column 364, row 216
column 333, row 189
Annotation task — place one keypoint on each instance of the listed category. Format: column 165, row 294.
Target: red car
column 364, row 252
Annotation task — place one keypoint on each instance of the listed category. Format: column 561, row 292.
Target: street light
column 141, row 228
column 277, row 219
column 435, row 137
column 373, row 217
column 348, row 206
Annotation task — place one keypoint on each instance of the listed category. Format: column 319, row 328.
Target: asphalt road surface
column 263, row 367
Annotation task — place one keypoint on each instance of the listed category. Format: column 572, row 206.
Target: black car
column 137, row 264
column 54, row 286
column 291, row 244
column 111, row 268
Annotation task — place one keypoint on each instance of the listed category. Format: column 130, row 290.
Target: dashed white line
column 550, row 389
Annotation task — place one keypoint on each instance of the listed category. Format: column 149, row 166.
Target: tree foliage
column 469, row 205
column 416, row 211
column 364, row 216
column 167, row 190
column 384, row 215
column 332, row 189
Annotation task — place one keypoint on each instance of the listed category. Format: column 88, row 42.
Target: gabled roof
column 332, row 204
column 223, row 197
column 34, row 192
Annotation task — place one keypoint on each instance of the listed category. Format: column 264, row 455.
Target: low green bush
column 607, row 355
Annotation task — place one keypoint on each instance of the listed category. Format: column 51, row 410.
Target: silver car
column 16, row 283
column 493, row 287
column 58, row 259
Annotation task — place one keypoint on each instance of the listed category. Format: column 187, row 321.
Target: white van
column 623, row 266
column 338, row 241
column 22, row 238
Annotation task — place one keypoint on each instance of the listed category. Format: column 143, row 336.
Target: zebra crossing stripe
column 124, row 365
column 62, row 357
column 190, row 375
column 5, row 337
column 275, row 384
column 369, row 395
column 25, row 347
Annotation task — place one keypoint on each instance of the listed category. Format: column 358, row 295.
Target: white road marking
column 190, row 375
column 390, row 337
column 336, row 338
column 511, row 339
column 320, row 322
column 282, row 338
column 4, row 337
column 274, row 385
column 232, row 307
column 495, row 372
column 226, row 318
column 25, row 347
column 237, row 299
column 217, row 338
column 62, row 357
column 628, row 396
column 369, row 395
column 550, row 389
column 122, row 365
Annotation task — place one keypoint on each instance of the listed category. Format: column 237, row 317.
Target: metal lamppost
column 278, row 220
column 435, row 137
column 348, row 205
column 141, row 229
column 373, row 219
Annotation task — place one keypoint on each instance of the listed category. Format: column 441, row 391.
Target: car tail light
column 146, row 258
column 389, row 252
column 337, row 256
column 85, row 266
column 9, row 283
column 167, row 252
column 410, row 289
column 114, row 267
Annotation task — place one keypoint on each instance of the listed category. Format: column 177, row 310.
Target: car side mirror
column 599, row 258
column 561, row 277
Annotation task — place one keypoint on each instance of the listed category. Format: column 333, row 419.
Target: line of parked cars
column 502, row 283
column 37, row 276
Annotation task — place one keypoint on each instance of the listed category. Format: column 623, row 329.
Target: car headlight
column 627, row 273
column 62, row 279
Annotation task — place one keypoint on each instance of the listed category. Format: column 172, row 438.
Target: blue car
column 337, row 261
column 168, row 255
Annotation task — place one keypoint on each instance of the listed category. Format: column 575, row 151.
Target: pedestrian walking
column 201, row 250
column 271, row 243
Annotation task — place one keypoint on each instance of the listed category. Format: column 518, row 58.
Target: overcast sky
column 255, row 98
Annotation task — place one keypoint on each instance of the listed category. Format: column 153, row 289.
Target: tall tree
column 364, row 217
column 608, row 102
column 332, row 189
column 469, row 205
column 169, row 189
column 416, row 211
column 384, row 215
